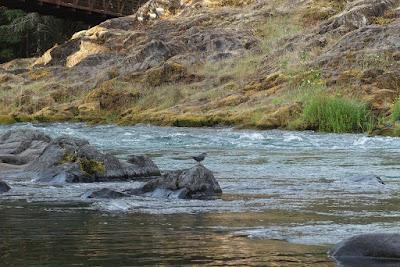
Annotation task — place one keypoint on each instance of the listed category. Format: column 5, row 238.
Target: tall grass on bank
column 337, row 114
column 396, row 111
column 396, row 117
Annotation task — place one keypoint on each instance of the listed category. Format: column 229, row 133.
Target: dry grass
column 38, row 74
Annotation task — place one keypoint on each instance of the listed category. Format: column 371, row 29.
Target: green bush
column 396, row 111
column 337, row 114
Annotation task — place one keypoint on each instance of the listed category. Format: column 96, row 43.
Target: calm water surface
column 287, row 199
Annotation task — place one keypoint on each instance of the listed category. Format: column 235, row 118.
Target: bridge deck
column 95, row 10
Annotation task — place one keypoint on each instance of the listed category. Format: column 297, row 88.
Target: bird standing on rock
column 199, row 158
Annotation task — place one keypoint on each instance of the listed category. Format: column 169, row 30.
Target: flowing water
column 287, row 198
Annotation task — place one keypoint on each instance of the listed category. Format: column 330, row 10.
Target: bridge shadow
column 91, row 12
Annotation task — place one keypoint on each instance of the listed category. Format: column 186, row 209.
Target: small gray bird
column 199, row 158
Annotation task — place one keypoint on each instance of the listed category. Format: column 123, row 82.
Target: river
column 287, row 199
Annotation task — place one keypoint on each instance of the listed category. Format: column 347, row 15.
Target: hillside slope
column 249, row 63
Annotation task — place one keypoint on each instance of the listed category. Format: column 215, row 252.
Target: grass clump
column 336, row 114
column 396, row 111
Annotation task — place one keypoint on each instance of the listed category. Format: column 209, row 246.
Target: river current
column 288, row 197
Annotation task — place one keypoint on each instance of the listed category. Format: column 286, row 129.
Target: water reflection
column 39, row 236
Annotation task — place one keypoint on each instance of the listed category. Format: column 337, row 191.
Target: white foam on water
column 361, row 141
column 292, row 138
column 251, row 136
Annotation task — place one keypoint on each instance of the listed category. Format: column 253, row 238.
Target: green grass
column 396, row 111
column 337, row 114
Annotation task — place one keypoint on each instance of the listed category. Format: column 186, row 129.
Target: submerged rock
column 4, row 187
column 197, row 182
column 104, row 193
column 368, row 250
column 367, row 179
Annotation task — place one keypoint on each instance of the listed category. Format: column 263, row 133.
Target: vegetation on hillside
column 323, row 65
column 24, row 35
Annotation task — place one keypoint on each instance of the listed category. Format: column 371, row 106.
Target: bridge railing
column 107, row 7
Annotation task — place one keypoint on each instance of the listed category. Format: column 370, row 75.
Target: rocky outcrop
column 33, row 155
column 140, row 42
column 104, row 193
column 66, row 159
column 4, row 187
column 367, row 249
column 20, row 147
column 358, row 14
column 197, row 182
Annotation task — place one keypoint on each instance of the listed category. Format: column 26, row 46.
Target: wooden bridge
column 91, row 11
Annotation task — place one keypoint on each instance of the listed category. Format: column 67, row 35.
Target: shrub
column 337, row 114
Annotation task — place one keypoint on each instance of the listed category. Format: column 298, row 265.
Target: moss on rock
column 91, row 167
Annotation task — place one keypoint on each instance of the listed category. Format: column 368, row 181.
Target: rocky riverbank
column 204, row 63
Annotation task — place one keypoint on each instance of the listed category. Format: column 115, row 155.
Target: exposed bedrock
column 36, row 156
column 20, row 147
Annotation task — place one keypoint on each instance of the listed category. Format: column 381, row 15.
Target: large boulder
column 4, row 187
column 20, row 147
column 141, row 166
column 69, row 159
column 368, row 250
column 197, row 182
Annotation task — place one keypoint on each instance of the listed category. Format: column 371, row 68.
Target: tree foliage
column 30, row 34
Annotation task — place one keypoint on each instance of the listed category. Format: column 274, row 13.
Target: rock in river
column 104, row 193
column 19, row 147
column 31, row 154
column 197, row 182
column 66, row 159
column 4, row 187
column 368, row 250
